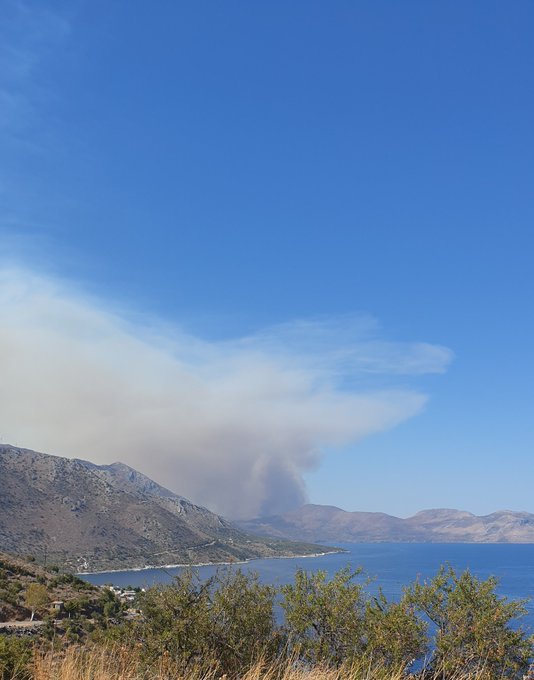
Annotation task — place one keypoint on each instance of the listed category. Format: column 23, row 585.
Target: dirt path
column 21, row 624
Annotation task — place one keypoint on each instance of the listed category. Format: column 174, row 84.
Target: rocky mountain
column 92, row 517
column 331, row 524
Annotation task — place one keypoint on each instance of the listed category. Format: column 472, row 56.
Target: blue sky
column 360, row 173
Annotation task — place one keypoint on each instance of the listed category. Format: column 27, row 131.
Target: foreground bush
column 228, row 619
column 336, row 622
column 15, row 657
column 451, row 627
column 454, row 623
column 473, row 625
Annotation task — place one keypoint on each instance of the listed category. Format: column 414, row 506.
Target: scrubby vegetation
column 26, row 588
column 454, row 626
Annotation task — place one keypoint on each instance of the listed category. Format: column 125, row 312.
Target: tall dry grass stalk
column 121, row 663
column 78, row 663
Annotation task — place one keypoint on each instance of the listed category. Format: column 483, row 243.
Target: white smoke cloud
column 232, row 425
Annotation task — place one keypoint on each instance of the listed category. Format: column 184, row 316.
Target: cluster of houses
column 125, row 595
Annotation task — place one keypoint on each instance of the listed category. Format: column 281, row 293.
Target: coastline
column 81, row 574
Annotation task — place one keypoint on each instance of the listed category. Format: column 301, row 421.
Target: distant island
column 89, row 517
column 331, row 524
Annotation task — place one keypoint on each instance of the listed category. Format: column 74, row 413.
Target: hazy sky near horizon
column 269, row 252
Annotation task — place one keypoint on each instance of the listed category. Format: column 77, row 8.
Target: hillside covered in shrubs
column 26, row 585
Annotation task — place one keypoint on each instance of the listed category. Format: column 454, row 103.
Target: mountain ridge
column 434, row 525
column 97, row 518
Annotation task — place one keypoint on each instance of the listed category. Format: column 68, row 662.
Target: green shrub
column 473, row 631
column 336, row 622
column 72, row 580
column 15, row 657
column 176, row 620
column 396, row 636
column 78, row 606
column 12, row 568
column 325, row 620
column 227, row 619
column 108, row 605
column 242, row 620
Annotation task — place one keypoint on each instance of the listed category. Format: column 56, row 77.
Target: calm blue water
column 392, row 565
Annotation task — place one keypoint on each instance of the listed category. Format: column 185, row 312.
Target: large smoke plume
column 231, row 425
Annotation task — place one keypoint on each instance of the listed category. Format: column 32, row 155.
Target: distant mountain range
column 330, row 524
column 92, row 517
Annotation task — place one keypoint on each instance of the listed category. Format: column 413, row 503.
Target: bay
column 391, row 566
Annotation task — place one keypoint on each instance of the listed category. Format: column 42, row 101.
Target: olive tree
column 396, row 635
column 325, row 619
column 176, row 620
column 36, row 596
column 242, row 620
column 226, row 621
column 335, row 621
column 473, row 625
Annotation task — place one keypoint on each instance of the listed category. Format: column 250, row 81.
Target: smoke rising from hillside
column 232, row 425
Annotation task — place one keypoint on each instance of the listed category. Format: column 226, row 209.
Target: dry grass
column 78, row 663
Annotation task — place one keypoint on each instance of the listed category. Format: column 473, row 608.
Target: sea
column 390, row 566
